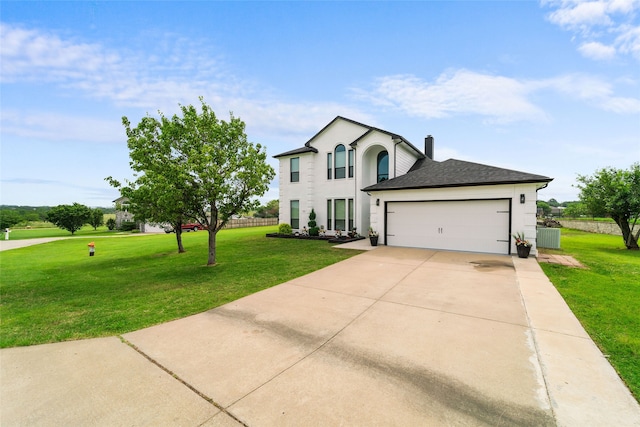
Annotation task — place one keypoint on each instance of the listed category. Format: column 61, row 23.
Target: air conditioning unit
column 548, row 238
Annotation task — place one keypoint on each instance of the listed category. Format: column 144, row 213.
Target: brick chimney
column 428, row 146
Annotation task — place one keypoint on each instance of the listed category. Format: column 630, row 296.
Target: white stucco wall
column 314, row 189
column 405, row 158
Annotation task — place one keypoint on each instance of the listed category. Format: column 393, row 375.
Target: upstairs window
column 329, row 166
column 351, row 161
column 294, row 163
column 341, row 162
column 383, row 166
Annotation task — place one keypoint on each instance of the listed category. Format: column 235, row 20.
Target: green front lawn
column 56, row 291
column 605, row 297
column 34, row 233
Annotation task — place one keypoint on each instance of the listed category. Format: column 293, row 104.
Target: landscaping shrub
column 285, row 228
column 313, row 225
column 111, row 224
column 128, row 226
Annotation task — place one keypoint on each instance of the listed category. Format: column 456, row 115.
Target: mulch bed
column 329, row 239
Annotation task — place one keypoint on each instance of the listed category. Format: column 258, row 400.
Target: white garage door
column 474, row 226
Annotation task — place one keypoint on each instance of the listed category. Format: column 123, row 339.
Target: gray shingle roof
column 427, row 173
column 297, row 151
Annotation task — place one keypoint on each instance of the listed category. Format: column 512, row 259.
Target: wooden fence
column 250, row 222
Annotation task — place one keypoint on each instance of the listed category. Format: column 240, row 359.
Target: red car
column 186, row 227
column 192, row 227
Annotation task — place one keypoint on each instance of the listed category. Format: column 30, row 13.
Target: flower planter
column 523, row 251
column 373, row 240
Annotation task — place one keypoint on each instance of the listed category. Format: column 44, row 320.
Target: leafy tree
column 97, row 218
column 155, row 200
column 9, row 218
column 575, row 210
column 546, row 208
column 615, row 193
column 553, row 202
column 69, row 217
column 111, row 224
column 200, row 168
column 273, row 208
column 270, row 210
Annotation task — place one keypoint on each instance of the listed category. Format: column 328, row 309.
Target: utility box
column 548, row 238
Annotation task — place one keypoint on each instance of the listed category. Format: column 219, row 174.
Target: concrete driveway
column 393, row 336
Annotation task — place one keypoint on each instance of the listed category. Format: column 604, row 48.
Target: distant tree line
column 270, row 210
column 14, row 215
column 573, row 209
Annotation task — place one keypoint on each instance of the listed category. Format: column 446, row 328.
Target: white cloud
column 595, row 91
column 598, row 51
column 580, row 14
column 31, row 54
column 593, row 21
column 179, row 71
column 57, row 127
column 499, row 98
column 628, row 41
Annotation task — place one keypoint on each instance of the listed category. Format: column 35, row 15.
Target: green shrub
column 313, row 225
column 284, row 228
column 128, row 226
column 111, row 224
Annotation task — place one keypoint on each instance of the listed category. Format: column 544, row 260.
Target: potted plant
column 522, row 245
column 373, row 237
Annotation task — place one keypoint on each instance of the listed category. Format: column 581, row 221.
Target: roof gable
column 427, row 173
column 366, row 131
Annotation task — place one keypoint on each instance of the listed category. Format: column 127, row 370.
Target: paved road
column 6, row 245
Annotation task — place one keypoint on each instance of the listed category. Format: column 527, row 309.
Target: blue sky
column 550, row 87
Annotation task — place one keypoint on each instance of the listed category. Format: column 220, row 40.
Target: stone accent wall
column 593, row 226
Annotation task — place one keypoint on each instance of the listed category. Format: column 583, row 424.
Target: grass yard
column 56, row 292
column 34, row 233
column 605, row 297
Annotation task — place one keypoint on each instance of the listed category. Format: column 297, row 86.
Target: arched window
column 341, row 161
column 383, row 166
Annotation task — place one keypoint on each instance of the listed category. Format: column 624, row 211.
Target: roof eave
column 478, row 184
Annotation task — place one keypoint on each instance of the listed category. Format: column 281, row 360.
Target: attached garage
column 461, row 225
column 456, row 205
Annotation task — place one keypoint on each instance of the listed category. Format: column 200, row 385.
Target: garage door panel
column 477, row 226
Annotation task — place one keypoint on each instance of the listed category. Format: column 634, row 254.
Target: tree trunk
column 212, row 245
column 179, row 240
column 630, row 241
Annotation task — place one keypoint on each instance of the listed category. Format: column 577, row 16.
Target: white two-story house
column 358, row 176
